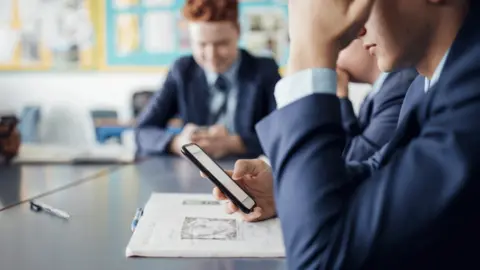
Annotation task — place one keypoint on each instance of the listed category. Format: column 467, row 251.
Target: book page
column 194, row 225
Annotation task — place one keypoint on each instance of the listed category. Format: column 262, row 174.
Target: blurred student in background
column 378, row 115
column 220, row 92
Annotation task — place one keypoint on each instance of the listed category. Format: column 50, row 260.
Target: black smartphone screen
column 219, row 177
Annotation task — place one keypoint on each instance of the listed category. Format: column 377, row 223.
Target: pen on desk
column 136, row 219
column 41, row 207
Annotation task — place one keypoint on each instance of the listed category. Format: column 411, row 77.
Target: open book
column 194, row 225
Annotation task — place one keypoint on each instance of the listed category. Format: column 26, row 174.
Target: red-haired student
column 220, row 92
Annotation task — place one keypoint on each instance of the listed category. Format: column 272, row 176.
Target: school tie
column 221, row 83
column 219, row 107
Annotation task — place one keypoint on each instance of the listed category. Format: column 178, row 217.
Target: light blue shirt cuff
column 305, row 83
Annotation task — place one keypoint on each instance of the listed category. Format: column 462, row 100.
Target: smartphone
column 219, row 177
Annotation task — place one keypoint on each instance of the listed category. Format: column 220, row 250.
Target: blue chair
column 104, row 114
column 29, row 124
column 106, row 132
column 140, row 100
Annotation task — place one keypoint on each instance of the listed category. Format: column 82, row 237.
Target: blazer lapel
column 199, row 98
column 246, row 90
column 409, row 126
column 415, row 95
column 365, row 111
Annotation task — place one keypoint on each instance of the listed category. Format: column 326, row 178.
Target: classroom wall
column 84, row 91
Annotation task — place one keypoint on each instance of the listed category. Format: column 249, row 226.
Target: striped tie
column 219, row 107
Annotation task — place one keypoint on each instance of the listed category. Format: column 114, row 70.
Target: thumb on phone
column 245, row 168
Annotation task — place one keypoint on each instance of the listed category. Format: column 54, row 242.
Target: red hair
column 211, row 10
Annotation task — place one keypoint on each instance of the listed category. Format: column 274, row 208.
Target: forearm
column 251, row 144
column 305, row 157
column 174, row 146
column 311, row 182
column 337, row 216
column 152, row 140
column 376, row 134
column 303, row 59
column 236, row 145
column 361, row 147
column 349, row 119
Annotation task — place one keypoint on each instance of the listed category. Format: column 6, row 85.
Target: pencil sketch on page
column 209, row 228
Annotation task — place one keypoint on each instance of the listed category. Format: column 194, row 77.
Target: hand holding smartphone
column 219, row 177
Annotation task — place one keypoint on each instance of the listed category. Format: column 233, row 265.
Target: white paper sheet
column 120, row 4
column 9, row 41
column 6, row 11
column 31, row 153
column 127, row 32
column 157, row 3
column 158, row 31
column 40, row 153
column 106, row 153
column 194, row 225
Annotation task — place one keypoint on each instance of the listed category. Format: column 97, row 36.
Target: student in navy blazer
column 359, row 170
column 378, row 115
column 220, row 92
column 418, row 210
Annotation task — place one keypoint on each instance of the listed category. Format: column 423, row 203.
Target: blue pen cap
column 136, row 219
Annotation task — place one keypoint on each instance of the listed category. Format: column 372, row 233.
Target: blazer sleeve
column 384, row 119
column 360, row 170
column 349, row 119
column 271, row 77
column 271, row 80
column 331, row 222
column 378, row 132
column 151, row 132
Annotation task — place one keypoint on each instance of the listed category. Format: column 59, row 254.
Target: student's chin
column 385, row 65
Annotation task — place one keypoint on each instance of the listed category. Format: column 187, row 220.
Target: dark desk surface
column 23, row 182
column 98, row 232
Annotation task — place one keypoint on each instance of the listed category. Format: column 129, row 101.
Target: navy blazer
column 419, row 210
column 186, row 93
column 362, row 169
column 377, row 118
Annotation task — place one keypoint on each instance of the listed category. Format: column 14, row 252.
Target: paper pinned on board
column 158, row 3
column 6, row 12
column 194, row 225
column 10, row 39
column 159, row 22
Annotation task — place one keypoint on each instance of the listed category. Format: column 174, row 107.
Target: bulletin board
column 151, row 34
column 48, row 35
column 130, row 35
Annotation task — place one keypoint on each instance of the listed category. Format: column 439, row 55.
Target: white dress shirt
column 437, row 73
column 377, row 85
column 323, row 81
column 218, row 97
